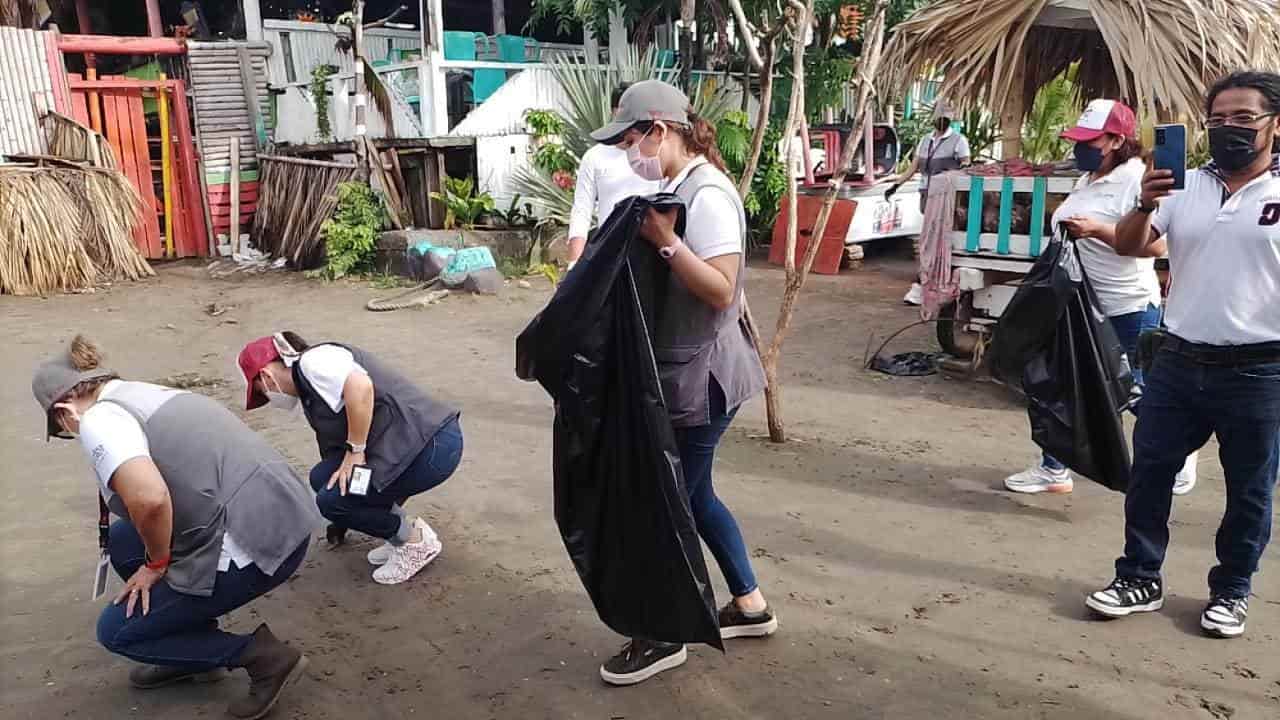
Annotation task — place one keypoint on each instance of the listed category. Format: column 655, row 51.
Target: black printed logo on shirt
column 1270, row 215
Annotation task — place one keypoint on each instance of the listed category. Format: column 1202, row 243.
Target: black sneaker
column 1224, row 616
column 736, row 623
column 1125, row 596
column 640, row 660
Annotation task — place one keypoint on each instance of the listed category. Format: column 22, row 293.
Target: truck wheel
column 952, row 335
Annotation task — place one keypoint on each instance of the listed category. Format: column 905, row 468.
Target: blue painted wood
column 1006, row 216
column 973, row 241
column 1038, row 199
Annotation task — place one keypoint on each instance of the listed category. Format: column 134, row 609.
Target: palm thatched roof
column 1159, row 55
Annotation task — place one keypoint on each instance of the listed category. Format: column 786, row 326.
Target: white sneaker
column 381, row 554
column 1040, row 479
column 1186, row 477
column 914, row 296
column 409, row 559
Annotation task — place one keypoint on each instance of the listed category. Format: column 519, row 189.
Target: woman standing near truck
column 1128, row 290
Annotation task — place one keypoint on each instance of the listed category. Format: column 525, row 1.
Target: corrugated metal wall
column 496, row 161
column 503, row 113
column 26, row 90
column 301, row 47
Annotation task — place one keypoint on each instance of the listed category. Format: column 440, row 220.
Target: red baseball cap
column 253, row 358
column 1104, row 117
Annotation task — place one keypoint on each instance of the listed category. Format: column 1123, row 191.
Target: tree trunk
column 796, row 275
column 795, row 116
column 1013, row 114
column 687, row 14
column 762, row 120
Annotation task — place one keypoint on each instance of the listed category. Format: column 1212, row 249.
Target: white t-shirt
column 111, row 437
column 711, row 226
column 327, row 368
column 1224, row 258
column 1124, row 284
column 605, row 178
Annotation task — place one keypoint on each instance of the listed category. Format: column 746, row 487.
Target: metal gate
column 155, row 152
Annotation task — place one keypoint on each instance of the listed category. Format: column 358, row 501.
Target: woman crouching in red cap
column 382, row 440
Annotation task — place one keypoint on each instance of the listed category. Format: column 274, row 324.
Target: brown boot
column 272, row 665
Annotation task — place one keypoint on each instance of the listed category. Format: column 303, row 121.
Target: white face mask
column 649, row 168
column 277, row 398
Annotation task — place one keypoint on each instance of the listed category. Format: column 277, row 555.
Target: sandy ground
column 908, row 583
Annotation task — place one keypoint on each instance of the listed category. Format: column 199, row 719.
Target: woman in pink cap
column 381, row 440
column 1108, row 151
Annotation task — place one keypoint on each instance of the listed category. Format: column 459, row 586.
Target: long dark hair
column 1267, row 83
column 699, row 137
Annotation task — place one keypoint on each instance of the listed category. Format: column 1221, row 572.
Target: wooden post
column 361, row 101
column 95, row 106
column 155, row 28
column 433, row 101
column 252, row 20
column 234, row 217
column 166, row 166
column 249, row 85
column 86, row 28
column 499, row 17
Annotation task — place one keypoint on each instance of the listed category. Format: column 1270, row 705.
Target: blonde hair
column 85, row 356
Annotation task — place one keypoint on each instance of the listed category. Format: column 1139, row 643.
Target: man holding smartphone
column 1218, row 368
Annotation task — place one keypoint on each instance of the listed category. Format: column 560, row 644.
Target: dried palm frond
column 70, row 140
column 38, row 253
column 1159, row 55
column 112, row 210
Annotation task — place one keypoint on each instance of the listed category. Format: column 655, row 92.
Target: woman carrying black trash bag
column 1128, row 291
column 381, row 439
column 706, row 360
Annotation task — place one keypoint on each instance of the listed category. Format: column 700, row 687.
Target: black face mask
column 941, row 124
column 1234, row 148
column 1088, row 158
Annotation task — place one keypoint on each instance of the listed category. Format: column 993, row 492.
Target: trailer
column 1001, row 226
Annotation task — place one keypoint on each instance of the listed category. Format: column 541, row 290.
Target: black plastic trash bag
column 620, row 498
column 1054, row 341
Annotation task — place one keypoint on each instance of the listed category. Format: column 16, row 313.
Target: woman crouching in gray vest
column 381, row 439
column 706, row 360
column 213, row 518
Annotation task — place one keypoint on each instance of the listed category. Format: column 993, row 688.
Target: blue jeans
column 714, row 521
column 380, row 512
column 1129, row 328
column 182, row 630
column 1186, row 402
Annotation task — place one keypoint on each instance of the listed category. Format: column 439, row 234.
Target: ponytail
column 700, row 139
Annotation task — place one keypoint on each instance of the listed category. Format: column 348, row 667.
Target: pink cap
column 1104, row 117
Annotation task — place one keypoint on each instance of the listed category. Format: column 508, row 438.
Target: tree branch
column 748, row 35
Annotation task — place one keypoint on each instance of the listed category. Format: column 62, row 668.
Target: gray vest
column 694, row 342
column 222, row 477
column 940, row 156
column 404, row 419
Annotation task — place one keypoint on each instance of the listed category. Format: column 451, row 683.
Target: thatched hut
column 1159, row 55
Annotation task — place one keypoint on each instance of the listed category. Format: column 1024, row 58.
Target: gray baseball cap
column 944, row 109
column 645, row 101
column 53, row 380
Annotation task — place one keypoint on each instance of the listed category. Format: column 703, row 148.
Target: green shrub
column 350, row 236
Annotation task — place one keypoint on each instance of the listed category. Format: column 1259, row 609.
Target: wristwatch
column 670, row 251
column 1143, row 208
column 354, row 448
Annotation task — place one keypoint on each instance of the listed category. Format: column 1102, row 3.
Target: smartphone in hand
column 1170, row 152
